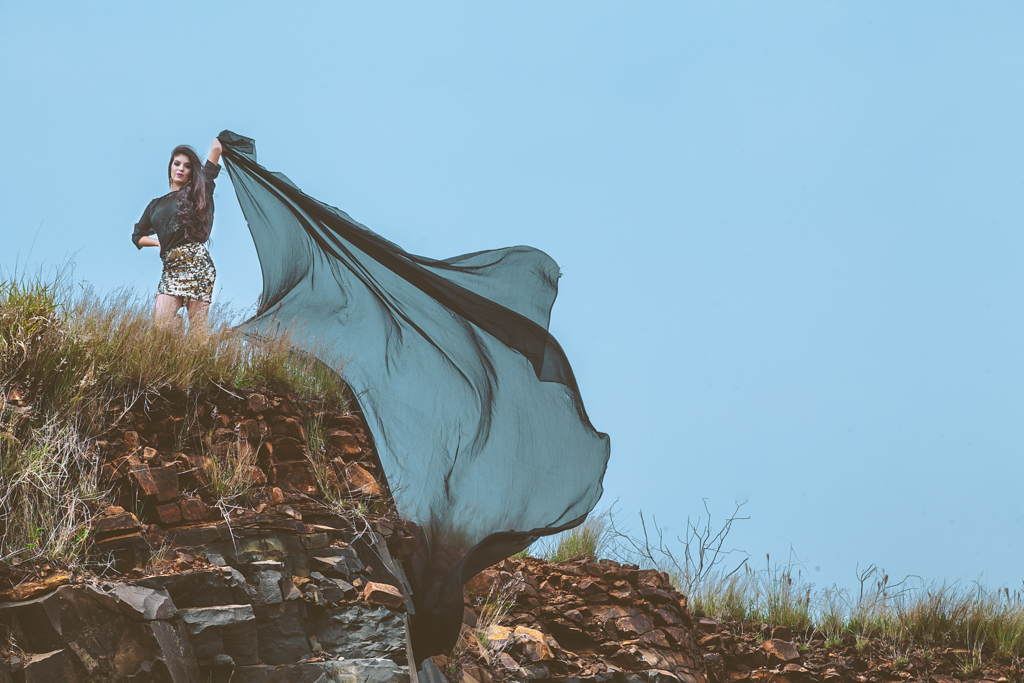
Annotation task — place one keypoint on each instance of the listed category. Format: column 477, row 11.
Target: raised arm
column 215, row 151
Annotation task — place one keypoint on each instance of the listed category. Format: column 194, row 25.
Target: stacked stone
column 253, row 622
column 580, row 620
column 155, row 459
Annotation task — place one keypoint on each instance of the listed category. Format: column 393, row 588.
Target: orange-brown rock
column 166, row 478
column 168, row 513
column 290, row 427
column 359, row 481
column 115, row 522
column 258, row 403
column 193, row 509
column 532, row 643
column 30, row 589
column 383, row 594
column 345, row 442
column 781, row 651
column 295, row 475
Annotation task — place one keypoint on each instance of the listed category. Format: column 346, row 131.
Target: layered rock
column 577, row 620
column 250, row 622
column 275, row 584
column 746, row 652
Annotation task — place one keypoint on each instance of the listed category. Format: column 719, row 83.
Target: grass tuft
column 588, row 541
column 48, row 494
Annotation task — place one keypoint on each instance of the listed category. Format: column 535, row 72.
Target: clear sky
column 790, row 232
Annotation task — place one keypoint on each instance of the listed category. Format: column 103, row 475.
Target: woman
column 181, row 221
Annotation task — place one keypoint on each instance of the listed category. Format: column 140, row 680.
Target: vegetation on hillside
column 910, row 613
column 67, row 356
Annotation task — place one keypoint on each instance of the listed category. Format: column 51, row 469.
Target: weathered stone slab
column 357, row 631
column 137, row 602
column 169, row 513
column 29, row 619
column 345, row 442
column 223, row 630
column 349, row 671
column 193, row 509
column 107, row 644
column 781, row 651
column 359, row 481
column 295, row 475
column 50, row 667
column 224, row 586
column 166, row 479
column 283, row 634
column 383, row 594
column 30, row 589
column 115, row 523
column 176, row 650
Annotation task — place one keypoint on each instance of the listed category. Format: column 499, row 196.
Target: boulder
column 532, row 643
column 295, row 475
column 360, row 482
column 50, row 667
column 223, row 630
column 383, row 594
column 345, row 442
column 781, row 651
column 176, row 650
column 258, row 403
column 105, row 643
column 136, row 602
column 358, row 631
column 283, row 632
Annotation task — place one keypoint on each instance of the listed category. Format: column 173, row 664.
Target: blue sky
column 790, row 233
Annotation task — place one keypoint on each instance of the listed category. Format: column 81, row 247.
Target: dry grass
column 48, row 494
column 587, row 541
column 902, row 614
column 476, row 641
column 72, row 353
column 911, row 612
column 230, row 477
column 334, row 496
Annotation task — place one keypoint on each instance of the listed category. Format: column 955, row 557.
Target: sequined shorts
column 188, row 273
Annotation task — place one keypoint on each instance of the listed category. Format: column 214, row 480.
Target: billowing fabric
column 188, row 272
column 472, row 405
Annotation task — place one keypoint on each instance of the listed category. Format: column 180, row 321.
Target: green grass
column 983, row 621
column 587, row 541
column 48, row 494
column 230, row 477
column 70, row 354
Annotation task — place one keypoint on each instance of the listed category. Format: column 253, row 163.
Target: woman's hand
column 149, row 242
column 215, row 151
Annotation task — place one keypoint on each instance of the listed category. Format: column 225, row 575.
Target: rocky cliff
column 250, row 537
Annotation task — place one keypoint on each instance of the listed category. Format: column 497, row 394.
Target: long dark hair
column 193, row 207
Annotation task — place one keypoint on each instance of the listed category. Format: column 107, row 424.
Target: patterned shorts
column 188, row 273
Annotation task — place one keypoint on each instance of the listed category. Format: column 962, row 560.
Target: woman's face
column 181, row 170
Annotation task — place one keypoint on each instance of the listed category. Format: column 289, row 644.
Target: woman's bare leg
column 197, row 310
column 166, row 308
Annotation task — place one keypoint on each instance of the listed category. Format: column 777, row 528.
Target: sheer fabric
column 473, row 407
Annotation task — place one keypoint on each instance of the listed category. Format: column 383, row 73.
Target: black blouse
column 161, row 216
